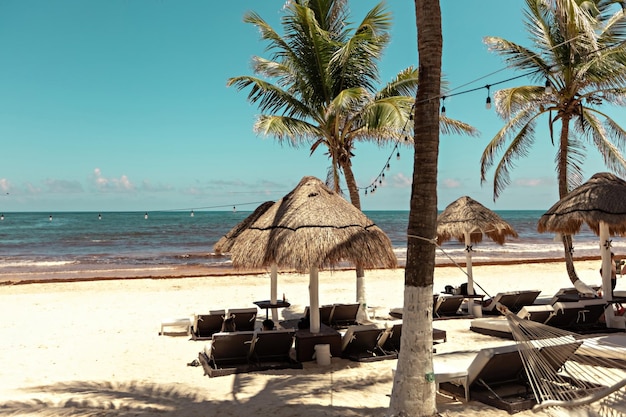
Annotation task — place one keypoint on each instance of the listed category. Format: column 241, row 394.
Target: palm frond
column 518, row 148
column 295, row 131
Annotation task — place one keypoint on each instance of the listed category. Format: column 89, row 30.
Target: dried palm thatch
column 601, row 199
column 601, row 203
column 226, row 242
column 468, row 216
column 312, row 227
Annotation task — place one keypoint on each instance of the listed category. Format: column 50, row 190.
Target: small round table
column 267, row 304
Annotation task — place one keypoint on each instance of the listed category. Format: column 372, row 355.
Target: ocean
column 41, row 245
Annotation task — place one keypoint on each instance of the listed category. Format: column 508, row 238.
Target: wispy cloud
column 450, row 183
column 62, row 186
column 531, row 182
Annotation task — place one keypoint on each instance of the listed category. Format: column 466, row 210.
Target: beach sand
column 93, row 347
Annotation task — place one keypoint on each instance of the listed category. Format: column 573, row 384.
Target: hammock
column 571, row 375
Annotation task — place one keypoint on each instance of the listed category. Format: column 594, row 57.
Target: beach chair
column 566, row 315
column 392, row 344
column 447, row 305
column 513, row 300
column 205, row 325
column 272, row 346
column 245, row 318
column 364, row 343
column 539, row 313
column 326, row 313
column 228, row 350
column 344, row 315
column 495, row 377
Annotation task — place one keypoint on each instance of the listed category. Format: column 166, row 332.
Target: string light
column 548, row 89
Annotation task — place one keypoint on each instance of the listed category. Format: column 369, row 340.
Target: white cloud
column 401, row 181
column 450, row 183
column 5, row 185
column 103, row 183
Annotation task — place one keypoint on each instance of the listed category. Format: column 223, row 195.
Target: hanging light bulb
column 548, row 89
column 398, row 156
column 366, row 191
column 443, row 106
column 488, row 101
column 388, row 166
column 2, row 217
column 191, row 213
column 145, row 216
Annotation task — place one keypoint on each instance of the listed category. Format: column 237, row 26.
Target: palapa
column 468, row 216
column 467, row 221
column 226, row 242
column 310, row 228
column 601, row 203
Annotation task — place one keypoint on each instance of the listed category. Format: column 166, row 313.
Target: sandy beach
column 93, row 347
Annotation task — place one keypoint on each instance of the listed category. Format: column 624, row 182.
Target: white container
column 477, row 309
column 322, row 354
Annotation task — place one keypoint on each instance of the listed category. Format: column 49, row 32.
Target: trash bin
column 322, row 354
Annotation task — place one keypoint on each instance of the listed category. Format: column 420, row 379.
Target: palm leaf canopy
column 466, row 215
column 312, row 226
column 226, row 242
column 601, row 199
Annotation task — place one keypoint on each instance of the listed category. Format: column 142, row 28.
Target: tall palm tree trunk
column 414, row 389
column 568, row 248
column 355, row 199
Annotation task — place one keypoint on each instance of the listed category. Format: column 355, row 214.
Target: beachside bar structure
column 312, row 228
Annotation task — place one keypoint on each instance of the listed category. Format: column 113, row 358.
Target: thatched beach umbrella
column 467, row 221
column 601, row 203
column 226, row 243
column 311, row 228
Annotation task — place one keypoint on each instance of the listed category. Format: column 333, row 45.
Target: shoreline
column 184, row 271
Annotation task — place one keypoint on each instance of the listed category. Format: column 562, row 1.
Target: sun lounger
column 326, row 313
column 364, row 343
column 392, row 344
column 344, row 315
column 245, row 318
column 494, row 377
column 248, row 351
column 570, row 294
column 447, row 305
column 227, row 350
column 513, row 300
column 272, row 346
column 205, row 325
column 539, row 313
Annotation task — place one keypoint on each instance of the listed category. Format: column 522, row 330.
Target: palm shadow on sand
column 136, row 398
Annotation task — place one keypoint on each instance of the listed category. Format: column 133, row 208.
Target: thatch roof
column 312, row 226
column 226, row 242
column 601, row 199
column 466, row 215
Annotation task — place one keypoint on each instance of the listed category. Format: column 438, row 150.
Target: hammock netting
column 571, row 374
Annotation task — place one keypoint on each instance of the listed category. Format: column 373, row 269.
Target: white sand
column 92, row 348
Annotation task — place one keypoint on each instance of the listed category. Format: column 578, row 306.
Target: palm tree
column 581, row 56
column 413, row 394
column 324, row 90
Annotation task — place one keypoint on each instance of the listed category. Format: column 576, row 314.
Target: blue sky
column 122, row 105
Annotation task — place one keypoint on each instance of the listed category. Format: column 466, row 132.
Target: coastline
column 100, row 273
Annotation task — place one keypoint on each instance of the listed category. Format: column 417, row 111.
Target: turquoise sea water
column 86, row 240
